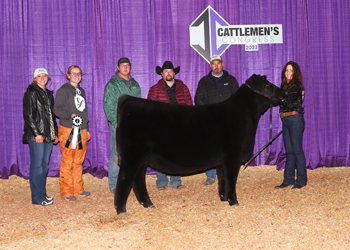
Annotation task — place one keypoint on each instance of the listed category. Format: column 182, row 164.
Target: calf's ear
column 252, row 78
column 262, row 80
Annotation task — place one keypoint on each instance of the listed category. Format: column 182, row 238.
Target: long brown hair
column 297, row 77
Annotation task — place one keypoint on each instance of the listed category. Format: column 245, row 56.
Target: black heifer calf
column 178, row 140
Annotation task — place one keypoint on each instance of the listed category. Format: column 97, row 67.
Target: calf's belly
column 182, row 165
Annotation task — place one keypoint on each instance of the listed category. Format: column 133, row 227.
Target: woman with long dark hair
column 292, row 115
column 40, row 132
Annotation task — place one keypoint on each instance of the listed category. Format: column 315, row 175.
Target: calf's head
column 260, row 85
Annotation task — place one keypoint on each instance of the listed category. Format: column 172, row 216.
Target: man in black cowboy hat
column 174, row 91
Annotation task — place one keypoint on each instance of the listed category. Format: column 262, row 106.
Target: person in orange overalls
column 73, row 134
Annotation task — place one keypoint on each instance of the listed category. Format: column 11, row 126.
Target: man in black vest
column 215, row 87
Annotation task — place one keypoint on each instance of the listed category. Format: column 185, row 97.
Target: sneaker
column 84, row 194
column 209, row 181
column 49, row 198
column 180, row 186
column 112, row 191
column 71, row 198
column 46, row 203
column 161, row 188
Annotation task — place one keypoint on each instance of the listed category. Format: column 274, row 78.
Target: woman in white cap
column 40, row 132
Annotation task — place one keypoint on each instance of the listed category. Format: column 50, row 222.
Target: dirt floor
column 314, row 217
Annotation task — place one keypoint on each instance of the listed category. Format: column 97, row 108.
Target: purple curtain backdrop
column 94, row 34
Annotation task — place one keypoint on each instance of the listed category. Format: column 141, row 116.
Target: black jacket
column 294, row 99
column 208, row 92
column 36, row 113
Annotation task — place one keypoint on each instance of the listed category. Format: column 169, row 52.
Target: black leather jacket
column 36, row 113
column 294, row 99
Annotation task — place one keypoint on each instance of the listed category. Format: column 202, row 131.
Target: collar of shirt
column 168, row 84
column 222, row 73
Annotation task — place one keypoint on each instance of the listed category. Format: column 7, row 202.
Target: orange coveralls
column 71, row 168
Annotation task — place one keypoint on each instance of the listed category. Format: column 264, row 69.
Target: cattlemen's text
column 248, row 31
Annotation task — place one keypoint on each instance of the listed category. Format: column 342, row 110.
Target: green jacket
column 113, row 90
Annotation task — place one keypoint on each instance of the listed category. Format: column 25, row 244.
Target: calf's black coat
column 177, row 139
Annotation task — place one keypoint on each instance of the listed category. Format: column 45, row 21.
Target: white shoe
column 46, row 203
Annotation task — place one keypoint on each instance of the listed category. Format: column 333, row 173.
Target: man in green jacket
column 120, row 84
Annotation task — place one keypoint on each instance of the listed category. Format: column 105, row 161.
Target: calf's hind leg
column 140, row 188
column 124, row 184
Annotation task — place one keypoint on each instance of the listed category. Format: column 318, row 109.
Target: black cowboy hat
column 167, row 65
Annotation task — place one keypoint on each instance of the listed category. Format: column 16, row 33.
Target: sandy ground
column 314, row 217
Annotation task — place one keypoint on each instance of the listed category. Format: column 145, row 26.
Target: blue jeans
column 293, row 128
column 39, row 167
column 113, row 168
column 162, row 180
column 211, row 173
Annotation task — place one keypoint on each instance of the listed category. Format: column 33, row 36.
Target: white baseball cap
column 39, row 71
column 215, row 58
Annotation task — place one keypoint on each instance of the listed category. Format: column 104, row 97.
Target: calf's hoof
column 120, row 211
column 233, row 203
column 146, row 205
column 123, row 214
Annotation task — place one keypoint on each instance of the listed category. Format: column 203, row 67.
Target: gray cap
column 215, row 58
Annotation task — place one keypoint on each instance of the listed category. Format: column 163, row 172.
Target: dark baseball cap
column 124, row 60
